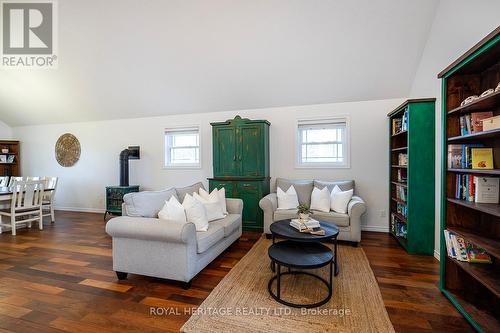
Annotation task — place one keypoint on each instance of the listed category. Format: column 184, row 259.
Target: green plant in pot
column 304, row 211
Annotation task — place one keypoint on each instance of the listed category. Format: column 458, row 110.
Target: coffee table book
column 474, row 289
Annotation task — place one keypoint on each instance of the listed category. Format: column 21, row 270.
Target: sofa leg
column 269, row 236
column 186, row 285
column 121, row 275
column 354, row 244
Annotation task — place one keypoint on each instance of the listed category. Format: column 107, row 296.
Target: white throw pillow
column 320, row 199
column 340, row 199
column 172, row 211
column 219, row 194
column 212, row 206
column 195, row 213
column 288, row 199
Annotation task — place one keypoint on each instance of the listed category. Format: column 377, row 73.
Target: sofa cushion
column 285, row 214
column 230, row 223
column 146, row 203
column 345, row 185
column 207, row 239
column 341, row 220
column 182, row 191
column 302, row 187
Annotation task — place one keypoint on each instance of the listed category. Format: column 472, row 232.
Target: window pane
column 319, row 135
column 182, row 147
column 184, row 155
column 184, row 140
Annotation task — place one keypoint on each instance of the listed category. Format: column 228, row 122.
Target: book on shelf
column 402, row 178
column 482, row 158
column 398, row 227
column 461, row 157
column 402, row 209
column 400, row 193
column 400, row 124
column 473, row 122
column 462, row 249
column 476, row 189
column 402, row 159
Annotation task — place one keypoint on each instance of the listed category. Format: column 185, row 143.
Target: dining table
column 7, row 192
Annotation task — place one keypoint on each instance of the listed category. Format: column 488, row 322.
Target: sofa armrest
column 150, row 229
column 234, row 206
column 269, row 203
column 356, row 207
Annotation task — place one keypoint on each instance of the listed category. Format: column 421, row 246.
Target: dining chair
column 13, row 179
column 4, row 181
column 48, row 197
column 26, row 202
column 31, row 178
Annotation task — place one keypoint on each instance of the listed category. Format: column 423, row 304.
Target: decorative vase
column 5, row 150
column 303, row 217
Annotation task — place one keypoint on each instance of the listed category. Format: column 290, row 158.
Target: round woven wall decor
column 67, row 150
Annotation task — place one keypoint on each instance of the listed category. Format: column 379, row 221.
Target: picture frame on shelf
column 3, row 158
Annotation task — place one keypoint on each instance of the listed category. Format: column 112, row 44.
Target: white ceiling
column 130, row 58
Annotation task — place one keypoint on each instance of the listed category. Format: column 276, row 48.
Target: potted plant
column 304, row 212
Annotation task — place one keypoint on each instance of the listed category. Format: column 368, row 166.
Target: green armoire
column 241, row 164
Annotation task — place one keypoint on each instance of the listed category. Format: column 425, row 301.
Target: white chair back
column 4, row 181
column 51, row 182
column 27, row 194
column 14, row 179
column 31, row 178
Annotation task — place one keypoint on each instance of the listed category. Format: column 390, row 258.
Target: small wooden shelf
column 399, row 133
column 400, row 184
column 400, row 166
column 492, row 209
column 477, row 171
column 483, row 273
column 399, row 216
column 399, row 201
column 492, row 246
column 476, row 136
column 482, row 104
column 399, row 149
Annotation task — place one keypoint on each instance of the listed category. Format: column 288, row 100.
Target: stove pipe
column 132, row 153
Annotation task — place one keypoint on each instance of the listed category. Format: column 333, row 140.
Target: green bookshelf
column 411, row 184
column 474, row 289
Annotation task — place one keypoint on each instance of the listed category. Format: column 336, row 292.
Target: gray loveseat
column 349, row 224
column 145, row 245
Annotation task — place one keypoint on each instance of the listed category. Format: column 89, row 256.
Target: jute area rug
column 241, row 301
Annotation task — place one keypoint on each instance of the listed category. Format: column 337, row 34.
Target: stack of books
column 400, row 124
column 401, row 193
column 470, row 156
column 462, row 250
column 473, row 123
column 301, row 225
column 403, row 159
column 402, row 209
column 398, row 227
column 477, row 189
column 402, row 176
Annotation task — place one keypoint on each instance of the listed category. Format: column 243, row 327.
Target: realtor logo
column 28, row 33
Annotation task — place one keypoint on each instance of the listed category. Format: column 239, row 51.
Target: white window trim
column 182, row 166
column 326, row 165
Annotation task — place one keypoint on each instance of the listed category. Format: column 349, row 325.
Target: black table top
column 8, row 190
column 300, row 255
column 284, row 230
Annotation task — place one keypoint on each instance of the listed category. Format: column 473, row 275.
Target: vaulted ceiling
column 129, row 58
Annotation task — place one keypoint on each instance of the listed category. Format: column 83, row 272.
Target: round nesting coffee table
column 282, row 229
column 301, row 256
column 301, row 251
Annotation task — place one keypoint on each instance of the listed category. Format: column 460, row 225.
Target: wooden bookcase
column 474, row 289
column 14, row 168
column 416, row 178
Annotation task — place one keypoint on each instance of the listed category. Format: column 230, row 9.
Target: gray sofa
column 145, row 245
column 349, row 224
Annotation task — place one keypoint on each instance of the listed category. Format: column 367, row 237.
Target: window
column 182, row 148
column 323, row 143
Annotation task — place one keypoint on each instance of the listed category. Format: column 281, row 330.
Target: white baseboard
column 374, row 228
column 436, row 254
column 79, row 209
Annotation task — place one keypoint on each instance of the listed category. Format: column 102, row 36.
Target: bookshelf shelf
column 481, row 104
column 483, row 273
column 414, row 122
column 473, row 288
column 491, row 209
column 492, row 246
column 477, row 171
column 475, row 136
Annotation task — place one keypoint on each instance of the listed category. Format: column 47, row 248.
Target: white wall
column 458, row 25
column 82, row 186
column 5, row 131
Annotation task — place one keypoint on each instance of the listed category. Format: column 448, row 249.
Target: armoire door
column 230, row 187
column 251, row 151
column 250, row 193
column 225, row 153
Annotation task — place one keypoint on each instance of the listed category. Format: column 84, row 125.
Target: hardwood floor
column 60, row 280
